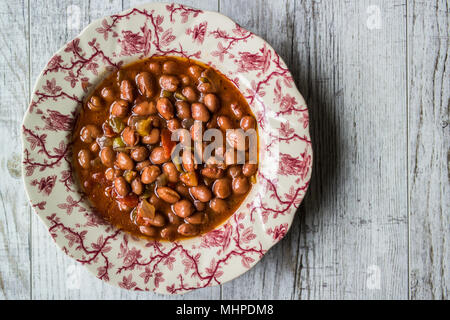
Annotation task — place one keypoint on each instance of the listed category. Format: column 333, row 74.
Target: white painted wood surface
column 429, row 149
column 376, row 221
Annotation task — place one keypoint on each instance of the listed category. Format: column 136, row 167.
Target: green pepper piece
column 177, row 162
column 133, row 215
column 116, row 124
column 180, row 96
column 166, row 94
column 143, row 127
column 118, row 143
column 129, row 175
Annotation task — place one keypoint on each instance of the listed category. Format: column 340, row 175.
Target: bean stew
column 124, row 151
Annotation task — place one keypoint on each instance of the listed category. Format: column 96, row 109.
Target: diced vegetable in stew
column 124, row 151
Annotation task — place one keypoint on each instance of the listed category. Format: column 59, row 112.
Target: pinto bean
column 224, row 123
column 95, row 104
column 108, row 94
column 169, row 83
column 156, row 202
column 211, row 102
column 168, row 233
column 141, row 165
column 158, row 156
column 139, row 154
column 196, row 132
column 108, row 156
column 145, row 108
column 212, row 172
column 185, row 80
column 155, row 67
column 183, row 208
column 234, row 171
column 195, row 71
column 199, row 147
column 152, row 138
column 157, row 221
column 190, row 178
column 149, row 174
column 238, row 110
column 126, row 91
column 156, row 121
column 173, row 218
column 130, row 136
column 200, row 206
column 183, row 190
column 236, row 138
column 197, row 218
column 206, row 87
column 119, row 108
column 121, row 186
column 170, row 67
column 108, row 132
column 249, row 169
column 124, row 162
column 199, row 112
column 144, row 82
column 222, row 188
column 84, row 158
column 173, row 124
column 94, row 147
column 248, row 122
column 202, row 193
column 136, row 186
column 171, row 170
column 89, row 133
column 187, row 229
column 208, row 73
column 218, row 205
column 212, row 123
column 183, row 109
column 148, row 231
column 240, row 185
column 167, row 194
column 187, row 159
column 165, row 108
column 230, row 157
column 111, row 173
column 190, row 94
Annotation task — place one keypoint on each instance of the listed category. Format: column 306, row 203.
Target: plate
column 285, row 151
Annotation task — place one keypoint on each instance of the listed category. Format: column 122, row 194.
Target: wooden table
column 376, row 220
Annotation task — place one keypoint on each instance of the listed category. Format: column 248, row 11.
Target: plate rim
column 85, row 31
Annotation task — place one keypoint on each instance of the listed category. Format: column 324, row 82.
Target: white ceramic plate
column 285, row 148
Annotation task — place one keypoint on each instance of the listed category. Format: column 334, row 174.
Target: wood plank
column 205, row 293
column 354, row 225
column 274, row 276
column 14, row 209
column 55, row 275
column 429, row 153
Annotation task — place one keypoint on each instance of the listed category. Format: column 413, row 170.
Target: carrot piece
column 167, row 143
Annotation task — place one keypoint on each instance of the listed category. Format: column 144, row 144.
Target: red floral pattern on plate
column 285, row 149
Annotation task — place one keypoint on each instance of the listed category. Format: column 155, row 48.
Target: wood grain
column 354, row 223
column 429, row 149
column 14, row 209
column 56, row 275
column 205, row 293
column 375, row 76
column 273, row 277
